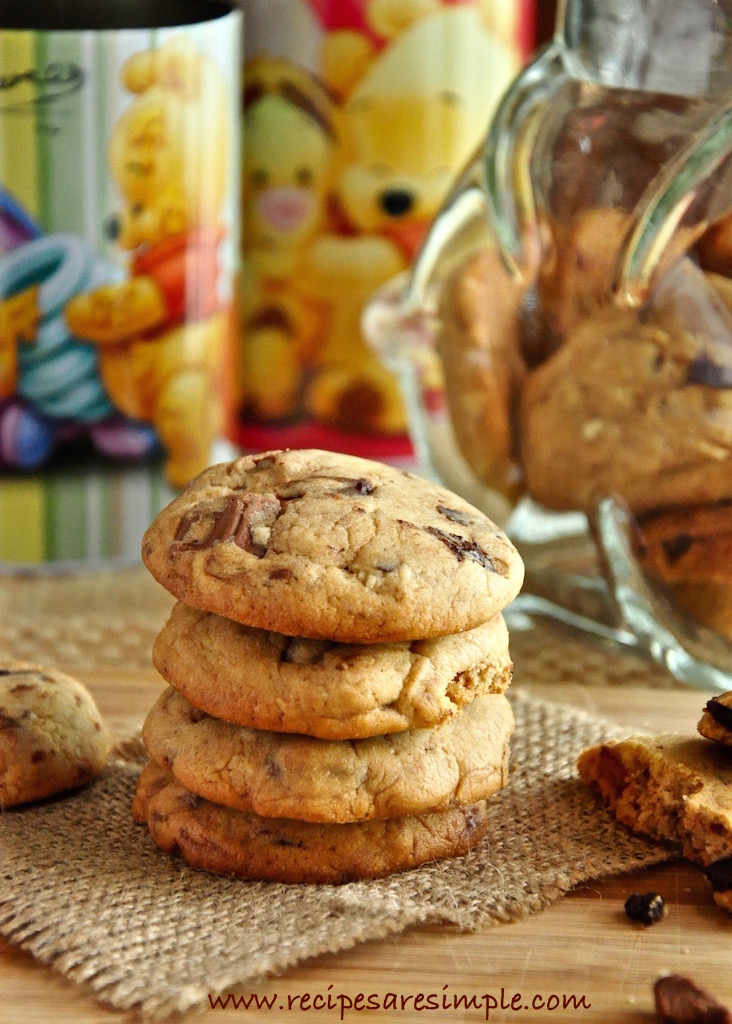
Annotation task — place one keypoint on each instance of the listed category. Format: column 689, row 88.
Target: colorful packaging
column 119, row 239
column 357, row 117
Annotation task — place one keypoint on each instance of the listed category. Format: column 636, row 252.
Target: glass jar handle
column 508, row 151
column 484, row 197
column 692, row 178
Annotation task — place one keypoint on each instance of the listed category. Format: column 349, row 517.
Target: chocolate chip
column 645, row 907
column 676, row 547
column 719, row 874
column 463, row 548
column 680, row 1001
column 302, row 651
column 360, row 486
column 6, row 722
column 37, row 756
column 189, row 799
column 721, row 713
column 22, row 688
column 453, row 515
column 705, row 371
column 196, row 715
column 281, row 574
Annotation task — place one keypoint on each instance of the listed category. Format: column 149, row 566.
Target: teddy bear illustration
column 161, row 332
column 406, row 129
column 289, row 124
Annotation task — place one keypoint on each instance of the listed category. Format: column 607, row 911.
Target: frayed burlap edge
column 85, row 891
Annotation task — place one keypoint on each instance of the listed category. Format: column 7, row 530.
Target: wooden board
column 582, row 947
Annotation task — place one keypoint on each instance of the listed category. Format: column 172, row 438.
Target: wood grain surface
column 582, row 947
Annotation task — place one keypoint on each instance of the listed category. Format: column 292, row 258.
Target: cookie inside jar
column 567, row 386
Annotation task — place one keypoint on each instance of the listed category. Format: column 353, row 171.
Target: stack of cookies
column 337, row 663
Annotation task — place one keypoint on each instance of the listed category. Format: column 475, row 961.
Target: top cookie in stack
column 353, row 605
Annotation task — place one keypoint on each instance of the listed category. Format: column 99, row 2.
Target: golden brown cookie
column 281, row 775
column 628, row 407
column 671, row 788
column 52, row 737
column 480, row 347
column 334, row 691
column 312, row 543
column 230, row 842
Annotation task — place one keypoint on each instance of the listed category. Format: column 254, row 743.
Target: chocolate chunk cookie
column 231, row 842
column 670, row 788
column 624, row 408
column 52, row 737
column 312, row 543
column 334, row 691
column 282, row 775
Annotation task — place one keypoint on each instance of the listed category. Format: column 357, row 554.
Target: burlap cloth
column 84, row 889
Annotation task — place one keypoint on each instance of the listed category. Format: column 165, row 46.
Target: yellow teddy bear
column 407, row 129
column 161, row 332
column 289, row 133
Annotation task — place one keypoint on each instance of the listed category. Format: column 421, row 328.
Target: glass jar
column 575, row 296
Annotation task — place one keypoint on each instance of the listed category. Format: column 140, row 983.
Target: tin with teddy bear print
column 357, row 117
column 119, row 246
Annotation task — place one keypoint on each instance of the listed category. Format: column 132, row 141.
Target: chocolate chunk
column 281, row 574
column 37, row 756
column 453, row 515
column 645, row 907
column 676, row 547
column 240, row 519
column 6, row 722
column 719, row 874
column 463, row 548
column 705, row 371
column 680, row 1001
column 721, row 713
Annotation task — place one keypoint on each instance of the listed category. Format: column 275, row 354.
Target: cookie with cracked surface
column 716, row 720
column 672, row 788
column 329, row 546
column 623, row 381
column 230, row 842
column 285, row 775
column 52, row 737
column 334, row 691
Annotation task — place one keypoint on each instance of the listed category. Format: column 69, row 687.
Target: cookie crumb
column 646, row 907
column 680, row 1001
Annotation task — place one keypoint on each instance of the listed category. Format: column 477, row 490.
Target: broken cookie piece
column 716, row 722
column 670, row 788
